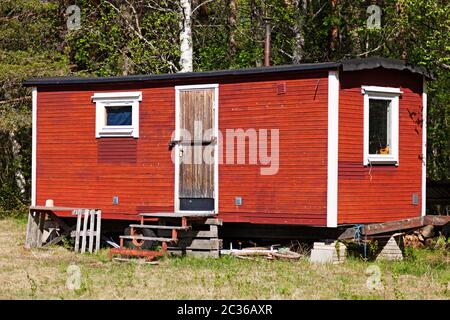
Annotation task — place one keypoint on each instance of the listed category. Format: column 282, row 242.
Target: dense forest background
column 121, row 37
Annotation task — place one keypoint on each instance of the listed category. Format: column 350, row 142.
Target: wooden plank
column 91, row 230
column 79, row 213
column 377, row 228
column 28, row 236
column 149, row 226
column 41, row 216
column 200, row 214
column 43, row 208
column 437, row 220
column 85, row 224
column 148, row 238
column 98, row 230
column 191, row 234
column 35, row 225
column 395, row 226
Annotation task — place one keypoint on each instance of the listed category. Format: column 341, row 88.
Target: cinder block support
column 391, row 251
column 328, row 252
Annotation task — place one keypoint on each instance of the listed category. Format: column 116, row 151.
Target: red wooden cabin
column 351, row 139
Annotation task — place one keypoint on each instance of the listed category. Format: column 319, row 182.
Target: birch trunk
column 232, row 25
column 298, row 52
column 15, row 148
column 186, row 47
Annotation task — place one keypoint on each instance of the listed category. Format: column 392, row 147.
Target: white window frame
column 116, row 99
column 392, row 95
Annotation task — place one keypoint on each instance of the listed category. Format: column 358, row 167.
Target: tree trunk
column 334, row 31
column 19, row 177
column 298, row 52
column 232, row 25
column 186, row 46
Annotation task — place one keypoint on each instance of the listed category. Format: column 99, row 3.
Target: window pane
column 379, row 127
column 118, row 116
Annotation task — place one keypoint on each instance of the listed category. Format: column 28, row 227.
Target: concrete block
column 391, row 251
column 328, row 252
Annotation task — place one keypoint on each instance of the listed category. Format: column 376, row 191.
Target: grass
column 47, row 274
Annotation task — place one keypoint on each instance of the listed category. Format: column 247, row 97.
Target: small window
column 381, row 125
column 117, row 114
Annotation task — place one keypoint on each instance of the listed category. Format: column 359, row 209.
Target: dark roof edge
column 180, row 76
column 386, row 63
column 345, row 65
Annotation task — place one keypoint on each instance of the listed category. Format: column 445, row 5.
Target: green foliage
column 419, row 262
column 138, row 37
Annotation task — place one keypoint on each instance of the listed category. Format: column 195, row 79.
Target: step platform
column 179, row 234
column 197, row 214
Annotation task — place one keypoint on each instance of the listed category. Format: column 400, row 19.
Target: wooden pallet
column 40, row 219
column 88, row 227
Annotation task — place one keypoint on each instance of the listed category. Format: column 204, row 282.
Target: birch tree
column 186, row 46
column 298, row 51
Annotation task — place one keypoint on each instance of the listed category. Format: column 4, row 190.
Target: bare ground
column 45, row 274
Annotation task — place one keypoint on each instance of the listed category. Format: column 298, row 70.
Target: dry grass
column 42, row 274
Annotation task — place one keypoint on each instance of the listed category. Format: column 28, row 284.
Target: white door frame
column 178, row 89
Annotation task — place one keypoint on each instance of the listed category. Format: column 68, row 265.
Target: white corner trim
column 33, row 145
column 392, row 95
column 333, row 141
column 111, row 99
column 424, row 146
column 383, row 90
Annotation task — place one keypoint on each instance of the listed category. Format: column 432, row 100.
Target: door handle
column 172, row 143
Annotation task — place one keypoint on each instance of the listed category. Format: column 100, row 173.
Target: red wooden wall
column 297, row 193
column 76, row 169
column 384, row 192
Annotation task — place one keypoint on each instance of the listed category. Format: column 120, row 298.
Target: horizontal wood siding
column 383, row 192
column 297, row 193
column 76, row 169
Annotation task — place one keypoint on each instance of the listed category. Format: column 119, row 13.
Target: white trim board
column 177, row 137
column 388, row 94
column 119, row 99
column 333, row 141
column 33, row 145
column 424, row 146
column 112, row 96
column 382, row 90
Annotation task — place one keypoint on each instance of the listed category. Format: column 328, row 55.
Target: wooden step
column 148, row 238
column 200, row 214
column 153, row 226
